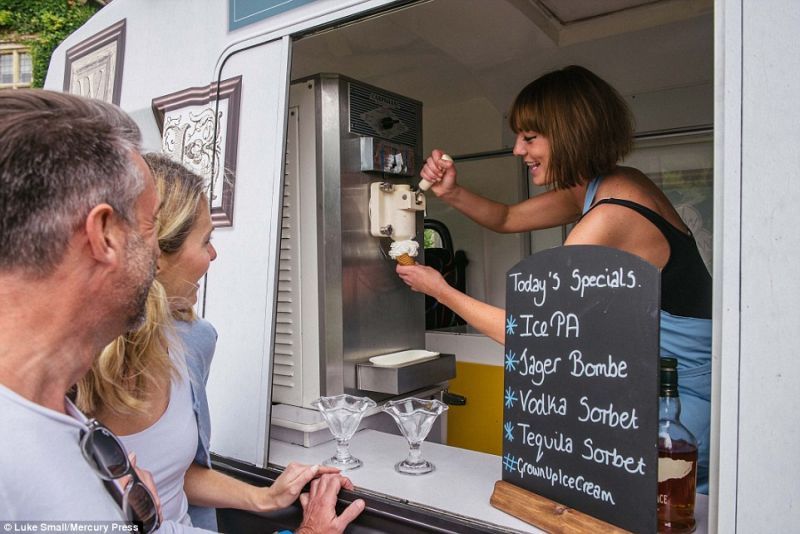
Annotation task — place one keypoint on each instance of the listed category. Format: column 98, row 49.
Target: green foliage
column 428, row 238
column 42, row 25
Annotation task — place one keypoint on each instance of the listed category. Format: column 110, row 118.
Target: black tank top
column 685, row 282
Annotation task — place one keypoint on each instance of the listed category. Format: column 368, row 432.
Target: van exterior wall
column 240, row 292
column 756, row 287
column 770, row 292
column 165, row 51
column 727, row 251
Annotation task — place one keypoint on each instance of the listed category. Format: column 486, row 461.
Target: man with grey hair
column 78, row 251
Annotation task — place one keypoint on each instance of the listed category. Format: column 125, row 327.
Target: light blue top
column 199, row 339
column 688, row 339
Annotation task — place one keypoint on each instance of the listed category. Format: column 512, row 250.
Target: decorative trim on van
column 94, row 66
column 200, row 129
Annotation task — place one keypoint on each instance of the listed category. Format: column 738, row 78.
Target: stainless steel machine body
column 340, row 301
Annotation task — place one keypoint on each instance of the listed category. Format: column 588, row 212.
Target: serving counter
column 460, row 486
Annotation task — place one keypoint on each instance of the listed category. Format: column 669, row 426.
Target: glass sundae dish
column 415, row 417
column 343, row 414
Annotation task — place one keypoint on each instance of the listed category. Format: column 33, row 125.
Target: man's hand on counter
column 319, row 506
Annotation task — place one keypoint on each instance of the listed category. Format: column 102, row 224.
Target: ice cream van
column 311, row 120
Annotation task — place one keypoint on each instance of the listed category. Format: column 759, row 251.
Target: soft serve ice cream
column 404, row 251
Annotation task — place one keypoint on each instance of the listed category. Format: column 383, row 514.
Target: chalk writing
column 612, row 457
column 607, row 416
column 510, row 398
column 565, row 324
column 611, row 369
column 544, row 404
column 511, row 325
column 511, row 361
column 557, row 442
column 533, row 285
column 538, row 368
column 581, row 381
column 576, row 483
column 613, row 279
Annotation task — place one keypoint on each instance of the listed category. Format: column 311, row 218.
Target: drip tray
column 399, row 379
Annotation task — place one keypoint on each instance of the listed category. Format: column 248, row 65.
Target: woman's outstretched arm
column 484, row 317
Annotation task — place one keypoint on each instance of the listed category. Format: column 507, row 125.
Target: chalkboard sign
column 580, row 421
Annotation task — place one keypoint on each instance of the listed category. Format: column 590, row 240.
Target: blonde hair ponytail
column 129, row 366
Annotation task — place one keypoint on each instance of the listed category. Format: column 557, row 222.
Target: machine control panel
column 379, row 155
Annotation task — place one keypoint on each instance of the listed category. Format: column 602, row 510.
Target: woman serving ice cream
column 572, row 129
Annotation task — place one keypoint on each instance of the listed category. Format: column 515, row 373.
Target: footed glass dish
column 415, row 417
column 343, row 414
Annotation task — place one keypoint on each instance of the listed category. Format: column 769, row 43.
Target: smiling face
column 534, row 149
column 587, row 124
column 180, row 271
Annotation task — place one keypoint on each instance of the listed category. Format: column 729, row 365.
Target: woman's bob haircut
column 588, row 124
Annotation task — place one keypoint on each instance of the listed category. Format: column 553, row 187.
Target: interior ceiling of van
column 442, row 51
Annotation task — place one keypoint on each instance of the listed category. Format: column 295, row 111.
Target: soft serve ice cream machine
column 392, row 213
column 353, row 152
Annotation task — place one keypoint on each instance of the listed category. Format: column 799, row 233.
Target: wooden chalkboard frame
column 572, row 312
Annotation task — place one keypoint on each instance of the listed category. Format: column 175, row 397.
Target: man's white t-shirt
column 43, row 474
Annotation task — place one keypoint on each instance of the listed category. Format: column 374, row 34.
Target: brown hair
column 588, row 124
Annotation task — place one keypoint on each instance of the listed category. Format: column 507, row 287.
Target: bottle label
column 669, row 468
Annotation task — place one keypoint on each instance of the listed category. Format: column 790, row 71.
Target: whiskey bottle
column 677, row 458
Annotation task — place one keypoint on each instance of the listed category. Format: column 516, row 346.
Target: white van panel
column 240, row 290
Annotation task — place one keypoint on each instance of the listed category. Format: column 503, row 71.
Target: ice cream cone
column 405, row 259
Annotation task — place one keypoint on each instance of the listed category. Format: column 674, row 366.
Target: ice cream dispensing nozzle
column 393, row 213
column 424, row 184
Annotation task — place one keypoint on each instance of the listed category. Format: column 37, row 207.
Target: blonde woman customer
column 149, row 385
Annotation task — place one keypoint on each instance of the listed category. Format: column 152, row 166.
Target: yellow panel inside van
column 478, row 424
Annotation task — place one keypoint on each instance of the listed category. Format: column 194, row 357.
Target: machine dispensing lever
column 424, row 184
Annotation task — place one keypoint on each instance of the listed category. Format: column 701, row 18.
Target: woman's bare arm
column 483, row 317
column 207, row 487
column 549, row 209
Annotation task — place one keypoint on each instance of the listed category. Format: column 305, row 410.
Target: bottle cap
column 669, row 377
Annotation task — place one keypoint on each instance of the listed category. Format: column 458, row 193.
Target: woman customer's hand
column 440, row 172
column 288, row 486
